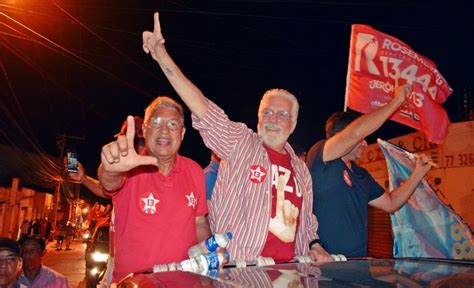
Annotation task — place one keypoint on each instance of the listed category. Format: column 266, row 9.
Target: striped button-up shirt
column 241, row 202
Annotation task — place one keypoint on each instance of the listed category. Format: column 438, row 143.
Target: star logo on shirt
column 150, row 204
column 257, row 173
column 192, row 200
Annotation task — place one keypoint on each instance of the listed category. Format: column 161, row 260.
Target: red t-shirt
column 280, row 244
column 155, row 216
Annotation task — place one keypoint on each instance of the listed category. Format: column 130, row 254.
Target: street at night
column 194, row 142
column 70, row 263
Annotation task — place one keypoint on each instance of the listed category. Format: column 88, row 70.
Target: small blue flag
column 424, row 226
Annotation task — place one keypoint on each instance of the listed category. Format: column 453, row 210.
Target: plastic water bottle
column 213, row 273
column 204, row 263
column 166, row 267
column 210, row 244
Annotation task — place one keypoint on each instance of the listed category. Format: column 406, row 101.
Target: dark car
column 97, row 255
column 361, row 272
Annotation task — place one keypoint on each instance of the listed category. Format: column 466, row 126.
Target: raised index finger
column 157, row 26
column 130, row 134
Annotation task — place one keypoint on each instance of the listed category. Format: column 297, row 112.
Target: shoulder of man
column 53, row 273
column 184, row 162
column 315, row 153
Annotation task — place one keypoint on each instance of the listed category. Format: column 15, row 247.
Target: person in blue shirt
column 342, row 190
column 210, row 173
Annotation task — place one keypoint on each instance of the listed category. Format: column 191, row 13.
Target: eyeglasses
column 281, row 115
column 157, row 122
column 9, row 259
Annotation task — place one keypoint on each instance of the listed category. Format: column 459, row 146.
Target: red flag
column 375, row 60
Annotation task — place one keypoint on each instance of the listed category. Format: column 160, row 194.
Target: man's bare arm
column 153, row 43
column 344, row 141
column 392, row 201
column 202, row 229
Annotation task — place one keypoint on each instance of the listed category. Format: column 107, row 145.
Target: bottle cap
column 229, row 235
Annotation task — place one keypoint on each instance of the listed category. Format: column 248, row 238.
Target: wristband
column 316, row 241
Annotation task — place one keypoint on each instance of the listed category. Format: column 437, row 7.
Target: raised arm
column 119, row 157
column 344, row 141
column 92, row 184
column 153, row 43
column 392, row 201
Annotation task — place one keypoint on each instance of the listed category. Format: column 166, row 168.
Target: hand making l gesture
column 120, row 155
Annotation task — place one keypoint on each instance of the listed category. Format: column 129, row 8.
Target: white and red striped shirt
column 241, row 199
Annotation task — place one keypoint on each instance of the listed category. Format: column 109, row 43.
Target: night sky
column 77, row 67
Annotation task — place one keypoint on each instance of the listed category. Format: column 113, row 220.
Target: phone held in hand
column 71, row 161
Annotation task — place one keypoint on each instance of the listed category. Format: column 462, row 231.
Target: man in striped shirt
column 263, row 192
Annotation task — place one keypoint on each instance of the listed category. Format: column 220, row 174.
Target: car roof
column 352, row 273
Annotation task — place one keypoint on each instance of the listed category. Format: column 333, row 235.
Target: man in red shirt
column 159, row 196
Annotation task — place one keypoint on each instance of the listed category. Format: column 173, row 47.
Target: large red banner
column 375, row 61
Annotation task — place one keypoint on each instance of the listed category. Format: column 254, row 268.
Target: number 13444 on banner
column 375, row 61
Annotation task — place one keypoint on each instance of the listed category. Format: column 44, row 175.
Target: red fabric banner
column 375, row 61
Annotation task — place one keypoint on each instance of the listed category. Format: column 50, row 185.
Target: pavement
column 70, row 263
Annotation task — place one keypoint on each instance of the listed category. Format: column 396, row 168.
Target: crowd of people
column 42, row 227
column 276, row 203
